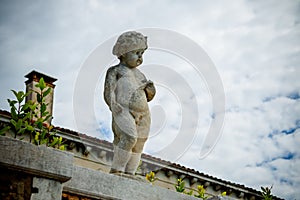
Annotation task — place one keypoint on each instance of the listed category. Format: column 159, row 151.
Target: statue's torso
column 130, row 89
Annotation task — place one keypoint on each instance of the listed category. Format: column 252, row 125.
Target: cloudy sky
column 253, row 46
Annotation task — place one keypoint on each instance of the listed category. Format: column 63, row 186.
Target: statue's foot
column 134, row 177
column 127, row 175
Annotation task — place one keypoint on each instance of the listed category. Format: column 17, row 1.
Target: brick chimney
column 33, row 79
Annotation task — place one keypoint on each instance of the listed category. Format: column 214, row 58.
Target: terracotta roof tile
column 5, row 113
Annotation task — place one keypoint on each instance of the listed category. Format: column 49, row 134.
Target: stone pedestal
column 29, row 172
column 99, row 185
column 45, row 169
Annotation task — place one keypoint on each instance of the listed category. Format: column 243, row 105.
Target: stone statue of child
column 126, row 92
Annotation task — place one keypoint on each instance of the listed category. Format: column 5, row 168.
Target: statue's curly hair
column 129, row 41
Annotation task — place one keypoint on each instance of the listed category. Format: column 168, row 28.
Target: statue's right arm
column 110, row 86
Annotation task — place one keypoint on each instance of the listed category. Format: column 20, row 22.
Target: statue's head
column 129, row 41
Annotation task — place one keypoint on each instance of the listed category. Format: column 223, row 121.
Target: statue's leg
column 116, row 134
column 135, row 158
column 143, row 132
column 120, row 160
column 125, row 129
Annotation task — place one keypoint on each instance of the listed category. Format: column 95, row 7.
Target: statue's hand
column 146, row 84
column 150, row 90
column 116, row 108
column 149, row 84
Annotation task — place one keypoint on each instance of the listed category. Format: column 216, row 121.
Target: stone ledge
column 36, row 160
column 97, row 184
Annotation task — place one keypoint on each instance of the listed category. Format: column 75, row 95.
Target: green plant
column 190, row 193
column 4, row 130
column 21, row 115
column 180, row 187
column 266, row 193
column 151, row 177
column 201, row 192
column 31, row 118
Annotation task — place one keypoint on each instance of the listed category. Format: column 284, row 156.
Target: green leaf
column 12, row 102
column 41, row 84
column 4, row 130
column 13, row 122
column 38, row 97
column 30, row 128
column 45, row 141
column 54, row 142
column 26, row 116
column 47, row 92
column 33, row 106
column 20, row 96
column 43, row 134
column 19, row 124
column 62, row 147
column 47, row 117
column 189, row 193
column 21, row 131
column 43, row 108
column 26, row 106
column 13, row 113
column 39, row 124
column 46, row 114
column 15, row 93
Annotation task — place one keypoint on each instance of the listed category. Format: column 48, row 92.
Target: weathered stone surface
column 127, row 93
column 47, row 189
column 37, row 160
column 96, row 184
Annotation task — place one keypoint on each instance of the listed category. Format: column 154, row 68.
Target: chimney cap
column 34, row 75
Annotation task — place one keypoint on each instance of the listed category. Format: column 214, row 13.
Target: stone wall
column 30, row 172
column 99, row 185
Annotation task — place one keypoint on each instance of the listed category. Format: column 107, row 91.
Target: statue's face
column 134, row 58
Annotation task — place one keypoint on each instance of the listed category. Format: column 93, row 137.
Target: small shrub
column 151, row 177
column 31, row 118
column 180, row 187
column 201, row 192
column 266, row 193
